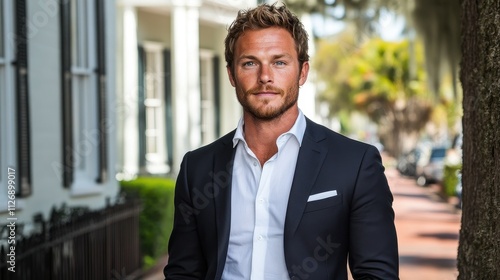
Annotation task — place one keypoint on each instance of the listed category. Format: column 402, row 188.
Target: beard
column 261, row 109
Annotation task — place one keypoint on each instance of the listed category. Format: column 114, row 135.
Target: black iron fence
column 76, row 243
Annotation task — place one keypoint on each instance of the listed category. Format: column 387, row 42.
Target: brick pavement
column 427, row 232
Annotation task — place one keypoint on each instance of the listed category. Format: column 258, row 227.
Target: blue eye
column 280, row 63
column 248, row 63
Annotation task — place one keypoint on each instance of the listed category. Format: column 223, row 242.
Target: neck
column 261, row 135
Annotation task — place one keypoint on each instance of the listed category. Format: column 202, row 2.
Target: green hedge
column 156, row 219
column 450, row 179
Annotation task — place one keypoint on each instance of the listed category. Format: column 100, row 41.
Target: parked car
column 431, row 166
column 407, row 163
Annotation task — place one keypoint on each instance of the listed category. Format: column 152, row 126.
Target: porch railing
column 76, row 243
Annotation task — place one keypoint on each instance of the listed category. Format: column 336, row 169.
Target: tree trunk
column 479, row 248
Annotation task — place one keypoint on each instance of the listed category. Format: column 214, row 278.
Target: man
column 280, row 197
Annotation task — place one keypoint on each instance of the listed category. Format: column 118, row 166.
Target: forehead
column 273, row 39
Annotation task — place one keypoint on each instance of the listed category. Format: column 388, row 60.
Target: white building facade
column 172, row 80
column 57, row 106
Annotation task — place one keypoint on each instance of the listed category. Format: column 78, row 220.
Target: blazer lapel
column 309, row 161
column 221, row 180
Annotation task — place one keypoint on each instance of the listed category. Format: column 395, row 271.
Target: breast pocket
column 323, row 203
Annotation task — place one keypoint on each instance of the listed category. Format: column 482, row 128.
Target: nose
column 265, row 75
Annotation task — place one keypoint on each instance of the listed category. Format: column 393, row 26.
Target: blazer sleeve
column 185, row 256
column 373, row 244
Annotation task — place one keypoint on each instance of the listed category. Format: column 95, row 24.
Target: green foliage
column 156, row 219
column 386, row 81
column 450, row 179
column 371, row 77
column 329, row 60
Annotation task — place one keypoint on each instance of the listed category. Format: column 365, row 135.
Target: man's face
column 266, row 72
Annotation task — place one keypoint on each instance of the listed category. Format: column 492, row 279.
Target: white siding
column 45, row 115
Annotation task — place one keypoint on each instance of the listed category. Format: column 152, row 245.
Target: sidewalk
column 427, row 232
column 156, row 273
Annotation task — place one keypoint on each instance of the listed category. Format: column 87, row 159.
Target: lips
column 266, row 93
column 269, row 91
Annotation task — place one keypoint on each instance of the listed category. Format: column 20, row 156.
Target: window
column 154, row 123
column 209, row 96
column 83, row 84
column 83, row 95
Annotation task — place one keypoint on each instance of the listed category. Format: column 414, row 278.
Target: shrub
column 450, row 179
column 156, row 218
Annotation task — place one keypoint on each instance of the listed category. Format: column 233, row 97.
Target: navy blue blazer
column 356, row 225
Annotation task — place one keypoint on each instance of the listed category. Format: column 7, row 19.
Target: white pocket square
column 322, row 195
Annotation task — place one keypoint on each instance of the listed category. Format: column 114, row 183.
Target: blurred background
column 100, row 100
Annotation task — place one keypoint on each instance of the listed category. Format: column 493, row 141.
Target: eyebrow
column 274, row 57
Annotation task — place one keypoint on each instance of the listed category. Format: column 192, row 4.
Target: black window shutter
column 67, row 103
column 167, row 65
column 141, row 107
column 101, row 89
column 22, row 100
column 216, row 95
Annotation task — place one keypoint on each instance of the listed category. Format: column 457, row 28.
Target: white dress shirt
column 259, row 198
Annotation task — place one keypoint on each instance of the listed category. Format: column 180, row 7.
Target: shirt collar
column 298, row 129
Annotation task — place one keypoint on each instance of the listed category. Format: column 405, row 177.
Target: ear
column 303, row 73
column 230, row 75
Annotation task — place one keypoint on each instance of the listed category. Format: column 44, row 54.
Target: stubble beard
column 264, row 112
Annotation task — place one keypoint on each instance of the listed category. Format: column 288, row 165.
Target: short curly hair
column 265, row 16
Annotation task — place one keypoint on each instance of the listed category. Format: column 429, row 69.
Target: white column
column 129, row 107
column 307, row 95
column 193, row 63
column 185, row 78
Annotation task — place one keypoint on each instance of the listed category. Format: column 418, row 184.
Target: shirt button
column 255, row 163
column 260, row 237
column 262, row 201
